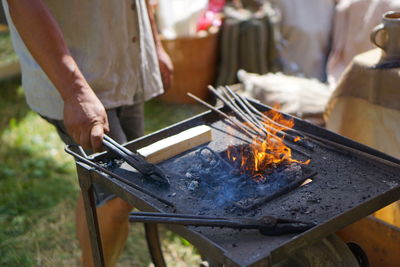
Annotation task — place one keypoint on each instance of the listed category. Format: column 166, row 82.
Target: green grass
column 38, row 190
column 37, row 181
column 6, row 50
column 159, row 114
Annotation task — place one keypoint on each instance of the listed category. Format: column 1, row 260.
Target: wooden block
column 306, row 182
column 176, row 144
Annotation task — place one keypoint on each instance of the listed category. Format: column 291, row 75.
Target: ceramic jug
column 387, row 36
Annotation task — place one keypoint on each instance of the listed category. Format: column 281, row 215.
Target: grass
column 36, row 181
column 6, row 50
column 38, row 189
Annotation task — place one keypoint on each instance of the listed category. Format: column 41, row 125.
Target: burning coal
column 214, row 179
column 263, row 156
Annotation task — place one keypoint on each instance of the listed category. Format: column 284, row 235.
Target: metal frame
column 88, row 175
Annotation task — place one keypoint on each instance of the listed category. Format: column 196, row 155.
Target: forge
column 216, row 180
column 346, row 181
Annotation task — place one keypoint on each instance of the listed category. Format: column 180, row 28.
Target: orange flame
column 260, row 157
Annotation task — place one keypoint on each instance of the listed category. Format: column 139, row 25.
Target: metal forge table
column 352, row 182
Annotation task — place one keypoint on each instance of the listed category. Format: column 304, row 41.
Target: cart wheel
column 359, row 254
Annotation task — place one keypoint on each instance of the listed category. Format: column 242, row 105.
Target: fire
column 262, row 156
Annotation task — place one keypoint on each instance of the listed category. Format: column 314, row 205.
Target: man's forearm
column 165, row 63
column 44, row 40
column 84, row 115
column 153, row 24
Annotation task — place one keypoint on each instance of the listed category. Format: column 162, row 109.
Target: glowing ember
column 262, row 156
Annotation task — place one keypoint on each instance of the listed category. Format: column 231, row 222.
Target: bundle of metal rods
column 252, row 122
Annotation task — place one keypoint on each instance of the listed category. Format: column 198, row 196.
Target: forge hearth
column 349, row 181
column 215, row 179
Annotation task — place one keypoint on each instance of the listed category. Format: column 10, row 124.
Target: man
column 87, row 67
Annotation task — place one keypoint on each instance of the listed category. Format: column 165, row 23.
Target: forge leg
column 153, row 243
column 91, row 218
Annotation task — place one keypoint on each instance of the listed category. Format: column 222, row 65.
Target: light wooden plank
column 176, row 144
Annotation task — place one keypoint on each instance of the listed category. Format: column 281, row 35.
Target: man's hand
column 86, row 120
column 166, row 67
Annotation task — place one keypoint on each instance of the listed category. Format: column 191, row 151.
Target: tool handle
column 89, row 161
column 136, row 161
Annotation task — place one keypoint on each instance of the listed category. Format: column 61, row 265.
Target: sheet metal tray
column 353, row 181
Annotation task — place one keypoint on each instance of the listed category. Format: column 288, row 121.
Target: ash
column 216, row 181
column 111, row 164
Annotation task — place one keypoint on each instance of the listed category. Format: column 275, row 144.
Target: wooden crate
column 194, row 60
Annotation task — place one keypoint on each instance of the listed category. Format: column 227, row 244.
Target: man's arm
column 166, row 67
column 84, row 115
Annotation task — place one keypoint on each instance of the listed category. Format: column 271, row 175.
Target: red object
column 210, row 17
column 216, row 5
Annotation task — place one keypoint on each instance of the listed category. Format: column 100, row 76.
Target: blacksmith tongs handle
column 267, row 225
column 135, row 160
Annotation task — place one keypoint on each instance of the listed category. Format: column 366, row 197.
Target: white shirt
column 306, row 28
column 113, row 45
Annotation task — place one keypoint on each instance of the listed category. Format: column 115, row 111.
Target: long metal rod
column 197, row 220
column 256, row 129
column 176, row 215
column 239, row 100
column 264, row 220
column 236, row 123
column 233, row 102
column 260, row 121
column 242, row 126
column 260, row 125
column 251, row 120
column 261, row 201
column 239, row 112
column 115, row 144
column 200, row 220
column 257, row 118
column 263, row 116
column 192, row 222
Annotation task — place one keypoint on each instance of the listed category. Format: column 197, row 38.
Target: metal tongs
column 136, row 161
column 267, row 225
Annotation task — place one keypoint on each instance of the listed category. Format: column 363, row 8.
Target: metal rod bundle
column 252, row 122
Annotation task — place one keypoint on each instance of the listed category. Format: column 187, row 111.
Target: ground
column 38, row 186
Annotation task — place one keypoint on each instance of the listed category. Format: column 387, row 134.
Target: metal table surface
column 331, row 202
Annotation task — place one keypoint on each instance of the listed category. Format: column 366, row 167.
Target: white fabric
column 113, row 46
column 179, row 18
column 295, row 95
column 306, row 28
column 354, row 21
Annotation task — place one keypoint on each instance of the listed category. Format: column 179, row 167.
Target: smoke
column 212, row 178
